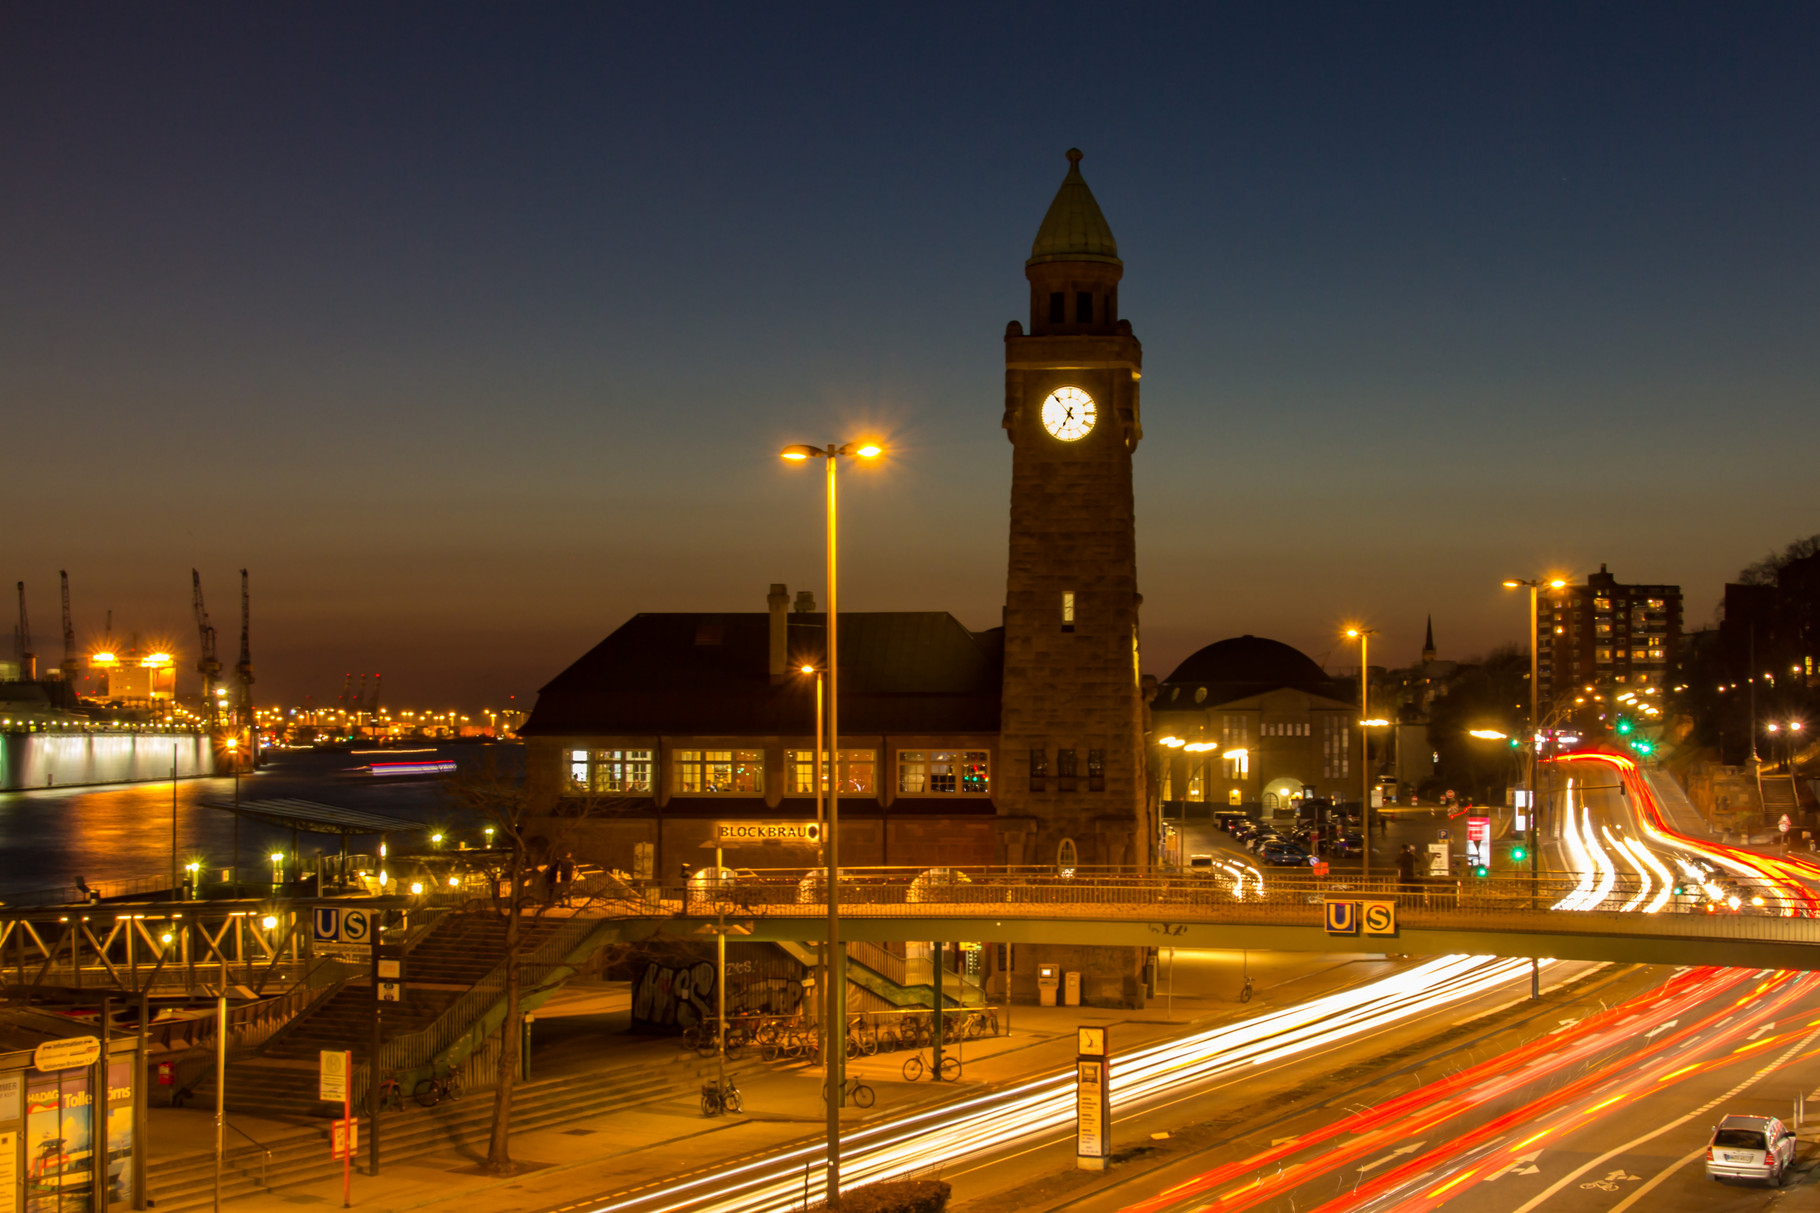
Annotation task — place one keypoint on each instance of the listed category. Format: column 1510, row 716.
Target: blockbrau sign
column 800, row 833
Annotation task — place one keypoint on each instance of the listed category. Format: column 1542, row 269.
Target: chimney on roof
column 805, row 602
column 779, row 601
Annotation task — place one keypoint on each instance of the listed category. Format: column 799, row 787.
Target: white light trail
column 949, row 1134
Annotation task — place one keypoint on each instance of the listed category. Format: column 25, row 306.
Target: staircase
column 455, row 956
column 884, row 974
column 187, row 1181
column 1780, row 797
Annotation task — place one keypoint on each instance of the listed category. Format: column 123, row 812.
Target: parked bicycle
column 856, row 1092
column 715, row 1100
column 391, row 1095
column 443, row 1083
column 915, row 1067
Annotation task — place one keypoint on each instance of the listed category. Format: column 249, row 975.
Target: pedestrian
column 1406, row 869
column 565, row 876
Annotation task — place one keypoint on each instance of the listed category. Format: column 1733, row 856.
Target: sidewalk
column 587, row 1158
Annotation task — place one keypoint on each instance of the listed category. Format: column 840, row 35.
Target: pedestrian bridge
column 1626, row 921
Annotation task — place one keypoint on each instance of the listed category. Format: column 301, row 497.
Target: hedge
column 899, row 1196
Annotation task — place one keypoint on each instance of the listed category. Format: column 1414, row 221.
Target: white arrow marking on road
column 1394, row 1154
column 1620, row 1173
column 1526, row 1165
column 1760, row 1031
column 1662, row 1028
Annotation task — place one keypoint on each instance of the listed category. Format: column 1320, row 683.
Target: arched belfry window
column 1065, row 856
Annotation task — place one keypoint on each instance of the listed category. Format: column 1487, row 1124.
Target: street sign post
column 1092, row 1100
column 334, row 1084
column 1478, row 842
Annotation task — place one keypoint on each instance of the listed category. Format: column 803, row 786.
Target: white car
column 1751, row 1147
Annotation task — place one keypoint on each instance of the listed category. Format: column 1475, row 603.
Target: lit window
column 1197, row 781
column 856, row 772
column 720, row 772
column 1067, row 610
column 942, row 772
column 612, row 772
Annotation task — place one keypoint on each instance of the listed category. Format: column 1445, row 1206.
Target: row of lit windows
column 742, row 772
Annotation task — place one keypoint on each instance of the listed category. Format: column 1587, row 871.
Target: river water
column 51, row 837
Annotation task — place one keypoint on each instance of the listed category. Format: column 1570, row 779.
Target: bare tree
column 1766, row 570
column 527, row 847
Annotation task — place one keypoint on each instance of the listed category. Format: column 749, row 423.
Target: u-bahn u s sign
column 1350, row 917
column 744, row 833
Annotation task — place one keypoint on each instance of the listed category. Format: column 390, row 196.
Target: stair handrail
column 265, row 1162
column 413, row 1050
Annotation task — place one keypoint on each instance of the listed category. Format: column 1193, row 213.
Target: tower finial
column 1074, row 156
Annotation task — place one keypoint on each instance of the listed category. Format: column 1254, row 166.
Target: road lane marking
column 1394, row 1155
column 1673, row 1124
column 1649, row 1187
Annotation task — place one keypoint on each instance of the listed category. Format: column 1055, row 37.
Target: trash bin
column 1071, row 988
column 1048, row 980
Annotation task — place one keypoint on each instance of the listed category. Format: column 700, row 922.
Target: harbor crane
column 22, row 643
column 71, row 665
column 243, row 674
column 208, row 665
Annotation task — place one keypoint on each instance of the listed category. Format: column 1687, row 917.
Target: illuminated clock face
column 1069, row 413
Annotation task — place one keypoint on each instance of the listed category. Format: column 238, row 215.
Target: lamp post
column 1534, row 586
column 834, row 1030
column 1363, row 636
column 816, row 775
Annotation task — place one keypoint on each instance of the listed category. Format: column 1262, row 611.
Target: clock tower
column 1071, row 787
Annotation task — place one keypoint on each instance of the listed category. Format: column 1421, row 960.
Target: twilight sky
column 472, row 330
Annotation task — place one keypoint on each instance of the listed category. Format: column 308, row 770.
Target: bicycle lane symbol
column 1611, row 1181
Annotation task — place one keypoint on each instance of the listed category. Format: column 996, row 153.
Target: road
column 1608, row 1113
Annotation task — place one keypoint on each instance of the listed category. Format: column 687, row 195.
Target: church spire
column 1428, row 645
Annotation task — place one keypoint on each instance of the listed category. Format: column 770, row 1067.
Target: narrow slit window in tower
column 1057, row 308
column 1067, row 610
column 1083, row 307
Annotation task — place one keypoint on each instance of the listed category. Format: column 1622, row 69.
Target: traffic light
column 1481, row 870
column 1642, row 747
column 1623, row 726
column 1519, row 853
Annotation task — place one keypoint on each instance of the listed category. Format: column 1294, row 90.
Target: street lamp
column 1363, row 636
column 1534, row 585
column 834, row 1028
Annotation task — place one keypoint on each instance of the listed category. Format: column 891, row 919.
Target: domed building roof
column 1250, row 665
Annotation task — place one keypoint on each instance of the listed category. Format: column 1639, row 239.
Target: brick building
column 1023, row 744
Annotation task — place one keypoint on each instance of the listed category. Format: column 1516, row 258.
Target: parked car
column 1349, row 845
column 1283, row 854
column 1751, row 1147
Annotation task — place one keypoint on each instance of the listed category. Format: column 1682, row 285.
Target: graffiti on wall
column 669, row 997
column 672, row 997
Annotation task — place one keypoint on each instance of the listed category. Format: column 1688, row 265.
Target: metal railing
column 1573, row 902
column 413, row 1051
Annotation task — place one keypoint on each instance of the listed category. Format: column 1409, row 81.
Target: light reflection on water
column 50, row 837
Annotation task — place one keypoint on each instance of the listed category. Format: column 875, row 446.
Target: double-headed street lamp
column 834, row 1026
column 1363, row 636
column 1534, row 585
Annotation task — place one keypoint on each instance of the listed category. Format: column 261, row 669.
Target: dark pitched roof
column 706, row 673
